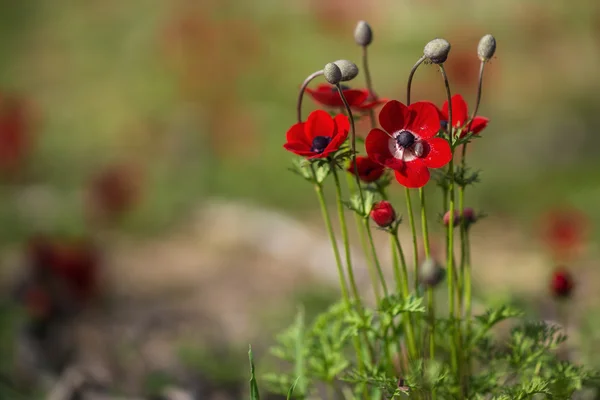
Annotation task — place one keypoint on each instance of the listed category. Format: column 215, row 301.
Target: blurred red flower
column 327, row 95
column 407, row 143
column 16, row 123
column 71, row 263
column 564, row 230
column 561, row 284
column 114, row 190
column 368, row 170
column 320, row 136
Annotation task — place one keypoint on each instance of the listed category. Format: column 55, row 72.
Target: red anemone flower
column 407, row 143
column 318, row 137
column 328, row 96
column 368, row 170
column 565, row 231
column 460, row 116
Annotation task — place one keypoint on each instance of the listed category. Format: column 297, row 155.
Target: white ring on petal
column 400, row 153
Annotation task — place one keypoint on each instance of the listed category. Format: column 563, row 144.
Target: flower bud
column 486, row 48
column 456, row 220
column 332, row 73
column 561, row 284
column 383, row 214
column 437, row 50
column 363, row 35
column 430, row 273
column 348, row 68
column 469, row 216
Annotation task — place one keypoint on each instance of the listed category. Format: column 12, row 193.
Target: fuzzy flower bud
column 383, row 214
column 332, row 73
column 430, row 273
column 363, row 35
column 437, row 50
column 348, row 68
column 456, row 220
column 561, row 284
column 469, row 216
column 486, row 48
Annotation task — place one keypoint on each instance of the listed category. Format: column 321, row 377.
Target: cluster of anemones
column 408, row 142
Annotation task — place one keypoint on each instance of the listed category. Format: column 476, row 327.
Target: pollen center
column 319, row 144
column 405, row 139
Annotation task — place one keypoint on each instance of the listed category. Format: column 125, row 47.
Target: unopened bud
column 348, row 68
column 437, row 50
column 455, row 221
column 332, row 73
column 430, row 273
column 469, row 216
column 363, row 34
column 383, row 214
column 561, row 284
column 486, row 48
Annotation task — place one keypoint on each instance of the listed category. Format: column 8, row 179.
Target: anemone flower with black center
column 368, row 170
column 407, row 143
column 358, row 99
column 460, row 117
column 319, row 137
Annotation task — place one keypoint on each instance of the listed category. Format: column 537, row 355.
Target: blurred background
column 149, row 227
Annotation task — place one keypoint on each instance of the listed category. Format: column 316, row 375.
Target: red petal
column 414, row 174
column 394, row 116
column 479, row 124
column 371, row 104
column 338, row 139
column 325, row 96
column 355, row 97
column 319, row 123
column 296, row 134
column 439, row 153
column 377, row 145
column 299, row 149
column 460, row 114
column 342, row 123
column 425, row 119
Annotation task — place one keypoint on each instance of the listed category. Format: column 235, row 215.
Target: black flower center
column 319, row 144
column 444, row 125
column 405, row 139
column 344, row 87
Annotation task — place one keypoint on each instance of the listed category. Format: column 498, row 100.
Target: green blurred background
column 202, row 92
column 198, row 96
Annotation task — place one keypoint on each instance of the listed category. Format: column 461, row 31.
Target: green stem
column 365, row 247
column 345, row 238
column 340, row 268
column 334, row 246
column 369, row 82
column 375, row 257
column 410, row 333
column 450, row 232
column 413, row 231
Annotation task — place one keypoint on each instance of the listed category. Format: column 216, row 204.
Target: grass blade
column 254, row 395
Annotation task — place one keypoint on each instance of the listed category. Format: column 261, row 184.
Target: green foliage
column 522, row 364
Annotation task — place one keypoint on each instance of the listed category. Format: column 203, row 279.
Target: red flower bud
column 456, row 220
column 562, row 283
column 383, row 214
column 469, row 216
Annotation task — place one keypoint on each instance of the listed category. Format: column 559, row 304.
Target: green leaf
column 291, row 391
column 254, row 395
